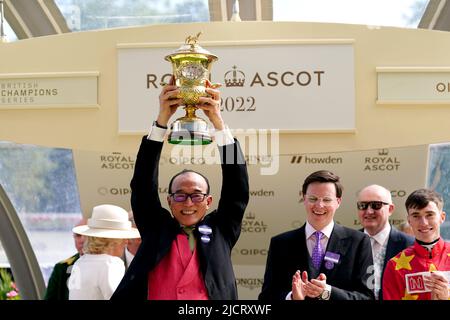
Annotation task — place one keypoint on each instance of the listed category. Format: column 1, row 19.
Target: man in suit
column 173, row 262
column 320, row 260
column 374, row 209
column 57, row 283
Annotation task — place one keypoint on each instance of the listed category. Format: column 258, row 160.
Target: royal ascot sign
column 49, row 90
column 287, row 85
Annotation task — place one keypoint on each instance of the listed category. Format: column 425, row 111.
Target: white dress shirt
column 128, row 258
column 311, row 239
column 379, row 246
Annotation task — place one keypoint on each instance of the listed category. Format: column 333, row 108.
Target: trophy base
column 189, row 138
column 188, row 131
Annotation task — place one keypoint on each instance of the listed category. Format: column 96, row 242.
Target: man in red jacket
column 422, row 271
column 185, row 253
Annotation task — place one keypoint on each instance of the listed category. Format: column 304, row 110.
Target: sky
column 396, row 13
column 10, row 35
column 368, row 12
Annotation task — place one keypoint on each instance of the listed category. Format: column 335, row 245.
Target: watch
column 325, row 295
column 156, row 124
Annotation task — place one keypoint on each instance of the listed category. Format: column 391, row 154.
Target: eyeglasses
column 325, row 200
column 195, row 197
column 375, row 205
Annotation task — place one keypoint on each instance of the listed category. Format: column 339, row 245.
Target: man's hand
column 438, row 284
column 315, row 287
column 168, row 103
column 211, row 106
column 298, row 285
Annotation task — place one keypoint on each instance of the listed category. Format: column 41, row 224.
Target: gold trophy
column 191, row 68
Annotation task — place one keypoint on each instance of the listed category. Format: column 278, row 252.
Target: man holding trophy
column 185, row 253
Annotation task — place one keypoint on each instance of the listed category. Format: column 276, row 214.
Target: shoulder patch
column 69, row 261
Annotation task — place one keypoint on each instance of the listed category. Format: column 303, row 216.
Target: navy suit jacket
column 158, row 228
column 348, row 278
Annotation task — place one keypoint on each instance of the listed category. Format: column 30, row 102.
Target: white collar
column 309, row 230
column 128, row 257
column 382, row 236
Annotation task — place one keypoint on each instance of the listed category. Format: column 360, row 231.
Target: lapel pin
column 205, row 238
column 204, row 229
column 331, row 259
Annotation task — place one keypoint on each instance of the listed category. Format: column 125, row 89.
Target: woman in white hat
column 97, row 273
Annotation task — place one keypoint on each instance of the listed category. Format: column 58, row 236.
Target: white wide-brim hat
column 108, row 221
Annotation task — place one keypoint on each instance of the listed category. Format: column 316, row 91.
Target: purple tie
column 317, row 254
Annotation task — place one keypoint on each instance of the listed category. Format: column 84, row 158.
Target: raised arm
column 145, row 201
column 234, row 195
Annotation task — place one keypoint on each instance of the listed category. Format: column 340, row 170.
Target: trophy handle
column 215, row 85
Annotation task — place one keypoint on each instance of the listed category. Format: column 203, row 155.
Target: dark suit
column 348, row 278
column 397, row 242
column 158, row 228
column 57, row 284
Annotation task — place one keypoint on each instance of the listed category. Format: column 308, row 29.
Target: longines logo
column 250, row 283
column 382, row 162
column 258, row 159
column 251, row 224
column 116, row 161
column 249, row 252
column 297, row 159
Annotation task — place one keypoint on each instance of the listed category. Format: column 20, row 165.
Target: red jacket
column 178, row 275
column 411, row 260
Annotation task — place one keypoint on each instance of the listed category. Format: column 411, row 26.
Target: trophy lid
column 190, row 47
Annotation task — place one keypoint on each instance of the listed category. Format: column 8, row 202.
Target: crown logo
column 383, row 152
column 250, row 216
column 234, row 78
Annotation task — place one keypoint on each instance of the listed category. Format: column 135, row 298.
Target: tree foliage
column 39, row 179
column 99, row 14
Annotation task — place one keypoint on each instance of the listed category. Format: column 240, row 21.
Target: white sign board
column 413, row 85
column 49, row 90
column 288, row 86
